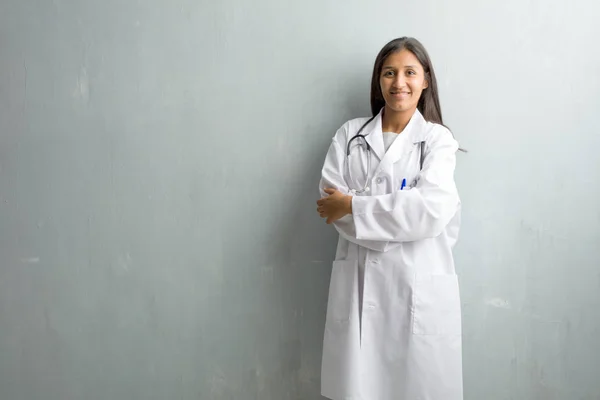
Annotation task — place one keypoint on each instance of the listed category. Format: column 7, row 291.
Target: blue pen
column 403, row 184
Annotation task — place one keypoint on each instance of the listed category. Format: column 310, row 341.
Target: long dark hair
column 429, row 103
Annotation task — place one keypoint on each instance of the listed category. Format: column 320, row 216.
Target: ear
column 425, row 84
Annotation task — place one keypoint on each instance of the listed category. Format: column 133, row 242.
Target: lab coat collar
column 410, row 137
column 374, row 135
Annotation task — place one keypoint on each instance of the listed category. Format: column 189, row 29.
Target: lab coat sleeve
column 332, row 177
column 418, row 213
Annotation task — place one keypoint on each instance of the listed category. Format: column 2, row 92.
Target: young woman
column 393, row 326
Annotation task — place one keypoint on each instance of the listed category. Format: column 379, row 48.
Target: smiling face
column 402, row 80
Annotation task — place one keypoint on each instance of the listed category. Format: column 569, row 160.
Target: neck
column 396, row 121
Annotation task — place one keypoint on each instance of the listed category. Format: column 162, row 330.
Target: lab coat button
column 379, row 180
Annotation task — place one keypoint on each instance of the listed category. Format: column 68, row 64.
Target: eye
column 388, row 73
column 411, row 72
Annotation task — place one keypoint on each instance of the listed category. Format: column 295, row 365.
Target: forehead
column 402, row 59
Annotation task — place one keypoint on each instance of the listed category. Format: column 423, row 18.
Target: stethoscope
column 362, row 142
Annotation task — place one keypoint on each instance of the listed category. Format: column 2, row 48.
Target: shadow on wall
column 276, row 255
column 305, row 247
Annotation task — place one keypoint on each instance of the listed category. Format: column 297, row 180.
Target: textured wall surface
column 159, row 163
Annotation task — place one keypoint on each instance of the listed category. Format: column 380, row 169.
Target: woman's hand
column 334, row 206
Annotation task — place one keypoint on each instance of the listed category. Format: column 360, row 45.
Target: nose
column 399, row 82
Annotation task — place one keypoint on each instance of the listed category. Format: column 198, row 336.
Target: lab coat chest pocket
column 436, row 305
column 343, row 291
column 407, row 167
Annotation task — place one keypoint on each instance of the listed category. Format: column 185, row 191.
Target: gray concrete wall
column 159, row 163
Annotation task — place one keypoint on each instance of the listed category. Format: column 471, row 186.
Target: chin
column 400, row 107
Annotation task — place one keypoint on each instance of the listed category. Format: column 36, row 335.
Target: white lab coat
column 403, row 341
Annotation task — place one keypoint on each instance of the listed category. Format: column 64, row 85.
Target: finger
column 330, row 191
